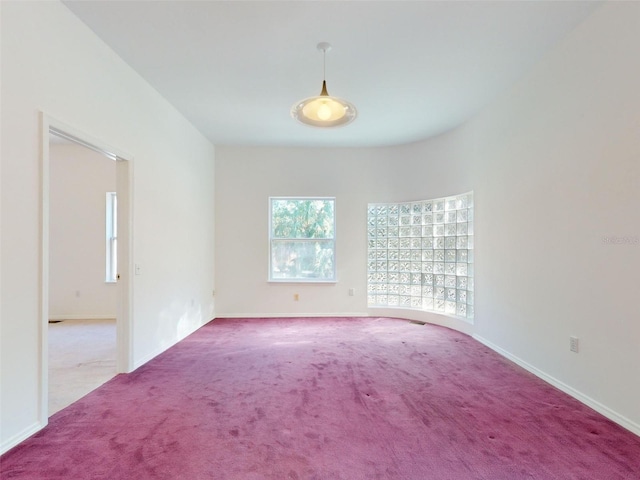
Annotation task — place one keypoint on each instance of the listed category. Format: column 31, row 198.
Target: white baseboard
column 20, row 437
column 581, row 397
column 291, row 315
column 73, row 316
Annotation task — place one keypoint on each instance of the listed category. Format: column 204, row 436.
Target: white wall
column 52, row 62
column 555, row 167
column 247, row 177
column 79, row 181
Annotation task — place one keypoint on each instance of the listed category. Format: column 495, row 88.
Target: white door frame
column 124, row 191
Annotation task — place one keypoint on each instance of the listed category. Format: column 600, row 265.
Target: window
column 302, row 239
column 420, row 255
column 112, row 237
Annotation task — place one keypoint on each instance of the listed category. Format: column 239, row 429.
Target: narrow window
column 302, row 239
column 111, row 237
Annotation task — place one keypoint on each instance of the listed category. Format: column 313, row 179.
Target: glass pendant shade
column 324, row 110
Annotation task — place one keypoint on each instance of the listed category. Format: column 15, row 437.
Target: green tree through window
column 302, row 239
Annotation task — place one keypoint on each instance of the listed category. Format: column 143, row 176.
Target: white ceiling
column 413, row 69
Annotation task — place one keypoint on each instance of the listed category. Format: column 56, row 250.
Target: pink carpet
column 339, row 398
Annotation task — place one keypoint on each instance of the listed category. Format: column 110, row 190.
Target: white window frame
column 111, row 237
column 274, row 241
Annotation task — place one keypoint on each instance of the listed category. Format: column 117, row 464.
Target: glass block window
column 420, row 255
column 302, row 239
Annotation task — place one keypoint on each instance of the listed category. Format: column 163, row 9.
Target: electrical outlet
column 574, row 344
column 352, row 292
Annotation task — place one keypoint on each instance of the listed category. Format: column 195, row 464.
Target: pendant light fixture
column 324, row 110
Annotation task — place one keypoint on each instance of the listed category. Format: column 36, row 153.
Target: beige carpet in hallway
column 82, row 356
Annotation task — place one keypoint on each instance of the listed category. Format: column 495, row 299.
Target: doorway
column 113, row 299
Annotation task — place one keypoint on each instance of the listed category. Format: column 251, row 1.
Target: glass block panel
column 438, row 206
column 462, row 296
column 372, row 243
column 416, row 302
column 427, row 243
column 393, row 231
column 405, row 301
column 461, row 282
column 470, row 270
column 405, row 208
column 427, row 219
column 404, row 266
column 381, row 232
column 427, row 231
column 393, row 243
column 427, row 255
column 470, row 228
column 461, row 310
column 461, row 269
column 371, row 300
column 381, row 243
column 427, row 291
column 381, row 266
column 381, row 221
column 416, row 290
column 392, row 289
column 469, row 241
column 462, row 228
column 462, row 202
column 416, row 278
column 405, row 220
column 450, row 268
column 450, row 281
column 427, row 278
column 416, row 207
column 463, row 216
column 450, row 242
column 381, row 299
column 416, row 267
column 469, row 214
column 393, row 209
column 438, row 255
column 392, row 221
column 427, row 206
column 371, row 232
column 393, row 300
column 462, row 242
column 405, row 277
column 470, row 283
column 371, row 265
column 438, row 218
column 438, row 292
column 371, row 254
column 470, row 256
column 381, row 210
column 382, row 289
column 450, row 294
column 381, row 277
column 392, row 265
column 416, row 220
column 371, row 221
column 416, row 243
column 438, row 230
column 416, row 231
column 404, row 289
column 438, row 267
column 450, row 203
column 450, row 217
column 450, row 308
column 416, row 255
column 470, row 311
column 393, row 254
column 449, row 255
column 371, row 209
column 438, row 305
column 405, row 231
column 394, row 277
column 470, row 298
column 439, row 280
column 451, row 230
column 405, row 243
column 427, row 267
column 371, row 288
column 438, row 243
column 404, row 255
column 462, row 255
column 427, row 303
column 381, row 254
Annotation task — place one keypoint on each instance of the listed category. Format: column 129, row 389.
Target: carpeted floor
column 327, row 398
